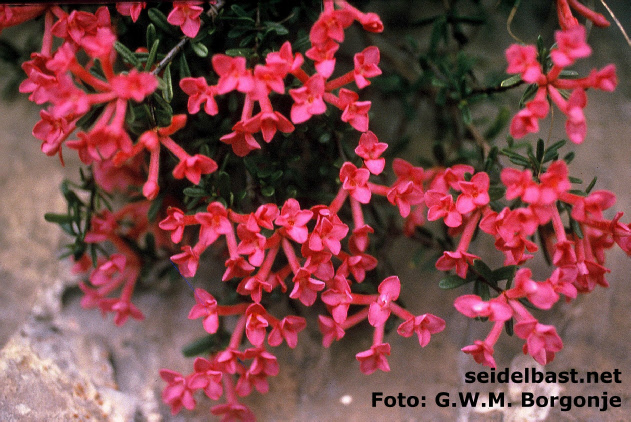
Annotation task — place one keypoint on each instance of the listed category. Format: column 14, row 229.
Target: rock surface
column 60, row 362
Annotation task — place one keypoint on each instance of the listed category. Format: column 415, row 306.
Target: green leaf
column 158, row 18
column 508, row 325
column 569, row 157
column 185, row 71
column 575, row 180
column 451, row 282
column 589, row 187
column 126, row 54
column 466, row 113
column 151, row 35
column 497, row 192
column 276, row 27
column 233, row 52
column 552, row 151
column 540, row 150
column 502, row 119
column 239, row 11
column 505, row 273
column 167, row 93
column 154, row 208
column 268, row 191
column 200, row 49
column 58, row 218
column 576, row 228
column 151, row 58
column 512, row 81
column 194, row 192
column 481, row 268
column 482, row 290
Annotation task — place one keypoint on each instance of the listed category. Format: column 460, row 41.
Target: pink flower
column 308, row 99
column 294, row 220
column 187, row 261
column 404, row 195
column 287, row 329
column 236, row 267
column 265, row 215
column 268, row 123
column 441, row 205
column 371, row 22
column 132, row 9
column 324, row 57
column 366, row 66
column 252, row 244
column 75, row 26
column 373, row 359
column 355, row 112
column 185, row 14
column 482, row 353
column 330, row 329
column 207, row 377
column 456, row 259
column 256, row 324
column 123, row 310
column 523, row 123
column 199, row 93
column 330, row 25
column 106, row 269
column 305, row 287
column 379, row 310
column 606, row 79
column 575, row 125
column 542, row 294
column 571, row 45
column 52, row 131
column 358, row 243
column 206, row 307
column 327, row 234
column 213, row 223
column 178, row 392
column 232, row 74
column 522, row 59
column 516, row 182
column 241, row 140
column 233, row 411
column 254, row 286
column 100, row 45
column 192, row 167
column 592, row 206
column 284, row 60
column 338, row 298
column 370, row 149
column 475, row 193
column 355, row 181
column 562, row 279
column 473, row 306
column 423, row 325
column 359, row 264
column 267, row 79
column 542, row 341
column 174, row 222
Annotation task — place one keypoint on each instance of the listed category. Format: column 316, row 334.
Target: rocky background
column 59, row 362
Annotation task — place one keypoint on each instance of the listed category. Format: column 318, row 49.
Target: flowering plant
column 224, row 130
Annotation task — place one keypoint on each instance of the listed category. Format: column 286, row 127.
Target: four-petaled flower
column 379, row 310
column 423, row 325
column 374, row 358
column 206, row 307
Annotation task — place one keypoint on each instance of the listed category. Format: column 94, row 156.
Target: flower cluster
column 570, row 46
